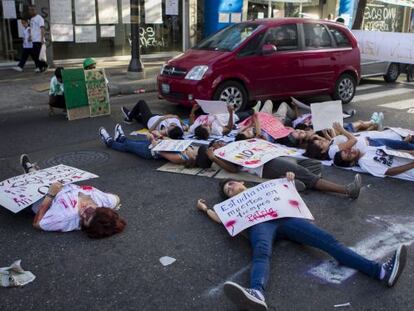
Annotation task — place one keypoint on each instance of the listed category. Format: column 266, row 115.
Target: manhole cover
column 77, row 158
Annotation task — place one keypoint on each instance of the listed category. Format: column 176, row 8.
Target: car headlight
column 162, row 68
column 196, row 73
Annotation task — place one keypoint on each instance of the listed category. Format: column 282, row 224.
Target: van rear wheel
column 232, row 92
column 345, row 88
column 393, row 73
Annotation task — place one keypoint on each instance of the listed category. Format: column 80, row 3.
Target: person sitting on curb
column 142, row 148
column 324, row 149
column 167, row 125
column 308, row 172
column 89, row 64
column 56, row 92
column 71, row 207
column 263, row 235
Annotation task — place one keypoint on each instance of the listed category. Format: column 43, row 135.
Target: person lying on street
column 375, row 161
column 263, row 235
column 142, row 148
column 72, row 207
column 324, row 149
column 167, row 125
column 308, row 172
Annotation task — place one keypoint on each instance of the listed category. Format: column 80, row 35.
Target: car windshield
column 228, row 38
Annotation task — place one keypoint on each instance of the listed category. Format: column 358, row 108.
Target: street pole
column 135, row 68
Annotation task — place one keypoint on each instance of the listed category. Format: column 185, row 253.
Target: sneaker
column 267, row 107
column 17, row 68
column 37, row 70
column 374, row 117
column 125, row 113
column 380, row 122
column 393, row 267
column 105, row 137
column 355, row 187
column 256, row 108
column 300, row 186
column 349, row 113
column 245, row 298
column 26, row 163
column 119, row 132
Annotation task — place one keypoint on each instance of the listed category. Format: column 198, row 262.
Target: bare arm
column 154, row 126
column 202, row 206
column 42, row 31
column 226, row 165
column 192, row 114
column 351, row 138
column 399, row 169
column 257, row 126
column 227, row 129
column 47, row 202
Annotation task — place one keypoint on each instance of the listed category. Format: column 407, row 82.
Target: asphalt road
column 124, row 273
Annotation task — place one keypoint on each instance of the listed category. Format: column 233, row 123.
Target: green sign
column 97, row 90
column 75, row 88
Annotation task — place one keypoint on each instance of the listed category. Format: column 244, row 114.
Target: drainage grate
column 77, row 158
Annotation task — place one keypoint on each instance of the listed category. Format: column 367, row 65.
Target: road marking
column 400, row 105
column 396, row 230
column 364, row 87
column 377, row 95
column 216, row 290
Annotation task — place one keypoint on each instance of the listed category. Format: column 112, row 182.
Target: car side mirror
column 268, row 49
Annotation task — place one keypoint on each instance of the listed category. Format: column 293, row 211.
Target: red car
column 265, row 59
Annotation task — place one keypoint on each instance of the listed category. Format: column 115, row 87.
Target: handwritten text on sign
column 270, row 124
column 21, row 191
column 270, row 200
column 172, row 145
column 251, row 153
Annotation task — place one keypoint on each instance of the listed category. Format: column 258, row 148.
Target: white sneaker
column 17, row 68
column 267, row 107
column 37, row 70
column 119, row 132
column 256, row 108
column 105, row 137
column 245, row 298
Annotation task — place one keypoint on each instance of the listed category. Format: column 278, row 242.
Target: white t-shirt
column 361, row 144
column 217, row 122
column 163, row 124
column 26, row 35
column 377, row 162
column 63, row 214
column 36, row 23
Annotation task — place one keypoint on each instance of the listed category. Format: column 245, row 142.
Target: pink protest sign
column 273, row 199
column 271, row 125
column 251, row 153
column 21, row 191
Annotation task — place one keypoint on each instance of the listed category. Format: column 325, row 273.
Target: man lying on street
column 308, row 172
column 215, row 124
column 142, row 148
column 168, row 125
column 263, row 235
column 71, row 207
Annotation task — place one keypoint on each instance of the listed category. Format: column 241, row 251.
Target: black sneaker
column 26, row 163
column 245, row 298
column 125, row 113
column 105, row 137
column 394, row 266
column 119, row 133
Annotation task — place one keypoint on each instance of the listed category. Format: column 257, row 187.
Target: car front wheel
column 232, row 92
column 345, row 88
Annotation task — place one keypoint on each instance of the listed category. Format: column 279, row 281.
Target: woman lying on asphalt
column 324, row 149
column 263, row 235
column 308, row 172
column 71, row 207
column 142, row 148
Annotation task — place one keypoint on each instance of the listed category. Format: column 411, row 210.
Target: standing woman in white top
column 37, row 26
column 27, row 45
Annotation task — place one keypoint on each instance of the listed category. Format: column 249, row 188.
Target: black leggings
column 141, row 112
column 37, row 46
column 57, row 101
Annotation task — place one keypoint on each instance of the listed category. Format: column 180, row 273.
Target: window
column 316, row 36
column 284, row 37
column 252, row 46
column 340, row 38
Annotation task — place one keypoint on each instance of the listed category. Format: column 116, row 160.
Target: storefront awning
column 408, row 3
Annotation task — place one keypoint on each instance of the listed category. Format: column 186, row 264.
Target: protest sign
column 386, row 46
column 402, row 132
column 325, row 114
column 172, row 145
column 19, row 192
column 273, row 199
column 251, row 153
column 270, row 124
column 97, row 90
column 212, row 106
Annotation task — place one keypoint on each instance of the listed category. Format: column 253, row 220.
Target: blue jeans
column 138, row 147
column 391, row 143
column 304, row 232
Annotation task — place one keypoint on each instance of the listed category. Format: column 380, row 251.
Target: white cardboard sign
column 251, row 153
column 21, row 191
column 108, row 11
column 61, row 12
column 61, row 33
column 9, row 9
column 85, row 34
column 85, row 12
column 273, row 199
column 153, row 11
column 212, row 106
column 172, row 145
column 325, row 114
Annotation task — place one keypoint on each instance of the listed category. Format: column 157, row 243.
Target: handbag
column 42, row 54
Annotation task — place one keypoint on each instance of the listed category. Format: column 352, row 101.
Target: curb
column 133, row 87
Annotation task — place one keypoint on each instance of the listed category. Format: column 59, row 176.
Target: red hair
column 105, row 222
